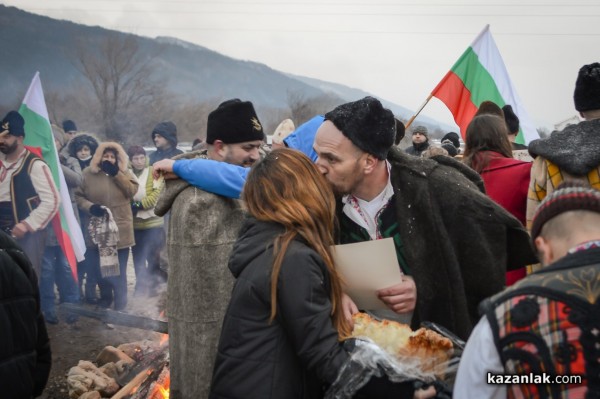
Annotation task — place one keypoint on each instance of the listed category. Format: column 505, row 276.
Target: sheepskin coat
column 202, row 230
column 114, row 192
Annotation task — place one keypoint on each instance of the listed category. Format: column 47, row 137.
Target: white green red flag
column 480, row 75
column 38, row 134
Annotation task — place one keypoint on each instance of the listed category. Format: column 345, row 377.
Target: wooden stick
column 412, row 118
column 135, row 382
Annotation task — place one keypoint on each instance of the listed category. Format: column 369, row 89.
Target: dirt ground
column 84, row 339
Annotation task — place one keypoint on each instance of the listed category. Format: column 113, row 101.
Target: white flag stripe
column 34, row 100
column 489, row 57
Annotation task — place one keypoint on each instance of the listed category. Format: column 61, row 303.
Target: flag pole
column 412, row 118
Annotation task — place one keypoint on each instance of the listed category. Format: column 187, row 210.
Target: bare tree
column 120, row 76
column 303, row 109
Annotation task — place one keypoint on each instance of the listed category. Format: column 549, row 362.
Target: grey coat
column 202, row 230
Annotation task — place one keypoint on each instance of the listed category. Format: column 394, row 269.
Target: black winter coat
column 299, row 351
column 25, row 357
column 298, row 354
column 458, row 242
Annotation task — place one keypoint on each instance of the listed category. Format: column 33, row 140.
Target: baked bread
column 430, row 349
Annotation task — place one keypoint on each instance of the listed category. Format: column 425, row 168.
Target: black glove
column 135, row 207
column 109, row 168
column 97, row 210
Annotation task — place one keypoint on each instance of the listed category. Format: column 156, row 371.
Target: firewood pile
column 137, row 370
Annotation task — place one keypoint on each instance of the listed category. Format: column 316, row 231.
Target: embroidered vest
column 549, row 323
column 23, row 196
column 387, row 223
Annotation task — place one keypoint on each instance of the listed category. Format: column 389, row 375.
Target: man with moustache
column 420, row 203
column 202, row 229
column 28, row 196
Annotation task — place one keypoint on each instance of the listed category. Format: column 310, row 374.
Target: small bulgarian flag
column 480, row 75
column 40, row 140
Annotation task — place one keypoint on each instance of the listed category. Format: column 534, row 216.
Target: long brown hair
column 485, row 133
column 287, row 188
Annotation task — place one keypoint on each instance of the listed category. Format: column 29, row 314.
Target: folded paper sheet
column 366, row 267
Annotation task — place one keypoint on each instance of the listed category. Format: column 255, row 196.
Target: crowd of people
column 497, row 242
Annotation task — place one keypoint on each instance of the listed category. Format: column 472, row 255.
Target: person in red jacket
column 489, row 153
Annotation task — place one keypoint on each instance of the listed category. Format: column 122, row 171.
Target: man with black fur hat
column 164, row 136
column 202, row 229
column 386, row 193
column 549, row 320
column 28, row 197
column 574, row 152
column 420, row 141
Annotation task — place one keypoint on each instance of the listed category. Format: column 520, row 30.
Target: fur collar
column 575, row 149
column 122, row 159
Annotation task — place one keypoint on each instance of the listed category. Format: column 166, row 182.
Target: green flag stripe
column 477, row 79
column 38, row 133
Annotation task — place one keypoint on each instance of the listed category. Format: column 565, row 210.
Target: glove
column 135, row 207
column 109, row 168
column 97, row 210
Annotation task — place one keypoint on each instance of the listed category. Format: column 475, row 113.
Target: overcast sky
column 396, row 49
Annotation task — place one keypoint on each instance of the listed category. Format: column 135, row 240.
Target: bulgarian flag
column 40, row 140
column 480, row 75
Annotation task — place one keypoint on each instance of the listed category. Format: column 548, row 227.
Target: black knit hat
column 367, row 124
column 569, row 196
column 69, row 126
column 587, row 88
column 14, row 124
column 168, row 130
column 234, row 121
column 453, row 138
column 79, row 141
column 512, row 120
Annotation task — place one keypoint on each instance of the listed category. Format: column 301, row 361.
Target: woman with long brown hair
column 284, row 329
column 489, row 153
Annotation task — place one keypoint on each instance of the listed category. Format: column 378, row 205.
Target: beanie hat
column 512, row 120
column 58, row 135
column 421, row 130
column 135, row 150
column 366, row 124
column 491, row 108
column 569, row 196
column 13, row 123
column 448, row 146
column 453, row 138
column 587, row 88
column 79, row 141
column 69, row 126
column 168, row 130
column 284, row 129
column 234, row 121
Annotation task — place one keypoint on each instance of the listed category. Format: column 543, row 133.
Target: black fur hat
column 168, row 130
column 587, row 88
column 366, row 123
column 234, row 121
column 512, row 120
column 14, row 124
column 453, row 138
column 77, row 142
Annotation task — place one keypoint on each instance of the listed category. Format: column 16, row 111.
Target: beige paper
column 366, row 267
